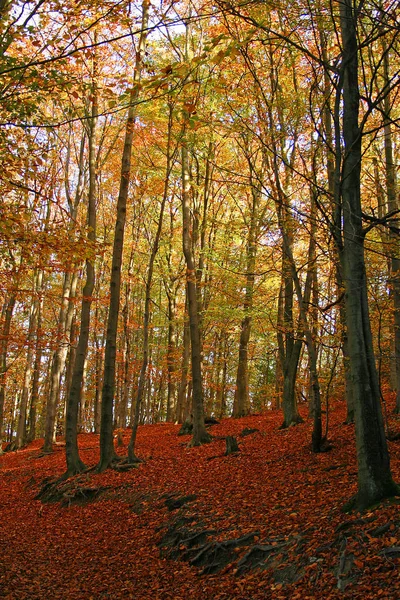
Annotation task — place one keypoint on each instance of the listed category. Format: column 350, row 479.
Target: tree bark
column 59, row 357
column 36, row 376
column 74, row 399
column 5, row 335
column 182, row 409
column 20, row 439
column 303, row 300
column 171, row 359
column 289, row 345
column 107, row 452
column 200, row 434
column 333, row 165
column 374, row 477
column 241, row 399
column 392, row 207
column 149, row 281
column 67, row 307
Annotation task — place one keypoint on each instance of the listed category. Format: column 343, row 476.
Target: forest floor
column 192, row 523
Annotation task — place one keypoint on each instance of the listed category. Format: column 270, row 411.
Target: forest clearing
column 158, row 531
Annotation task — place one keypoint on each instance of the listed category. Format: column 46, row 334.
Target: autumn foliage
column 199, row 219
column 162, row 530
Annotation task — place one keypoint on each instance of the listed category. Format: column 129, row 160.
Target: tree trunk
column 200, row 434
column 98, row 370
column 392, row 207
column 36, row 376
column 5, row 335
column 221, row 393
column 68, row 293
column 303, row 300
column 171, row 359
column 374, row 477
column 59, row 357
column 241, row 400
column 333, row 160
column 182, row 410
column 74, row 399
column 149, row 281
column 69, row 370
column 23, row 407
column 289, row 343
column 127, row 345
column 107, row 452
column 290, row 348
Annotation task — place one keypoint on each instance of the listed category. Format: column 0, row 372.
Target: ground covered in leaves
column 192, row 523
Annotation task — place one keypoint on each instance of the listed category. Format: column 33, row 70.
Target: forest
column 199, row 238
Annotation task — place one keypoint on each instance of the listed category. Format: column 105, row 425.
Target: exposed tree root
column 125, row 464
column 295, row 421
column 68, row 490
column 186, row 428
column 199, row 440
column 358, row 503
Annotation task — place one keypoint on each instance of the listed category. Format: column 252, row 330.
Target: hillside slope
column 192, row 523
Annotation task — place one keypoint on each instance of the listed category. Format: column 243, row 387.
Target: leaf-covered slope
column 193, row 523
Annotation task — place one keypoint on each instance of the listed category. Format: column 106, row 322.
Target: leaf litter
column 263, row 522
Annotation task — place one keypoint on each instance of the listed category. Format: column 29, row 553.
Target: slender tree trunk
column 189, row 233
column 5, row 335
column 303, row 300
column 200, row 434
column 126, row 384
column 171, row 284
column 333, row 159
column 122, row 408
column 290, row 347
column 182, row 410
column 289, row 343
column 374, row 477
column 75, row 396
column 149, row 281
column 13, row 416
column 33, row 318
column 98, row 374
column 241, row 400
column 36, row 376
column 59, row 357
column 23, row 406
column 83, row 405
column 171, row 359
column 67, row 307
column 392, row 207
column 69, row 370
column 218, row 375
column 107, row 452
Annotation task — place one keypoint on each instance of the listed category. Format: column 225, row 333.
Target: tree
column 374, row 477
column 7, row 312
column 241, row 400
column 392, row 208
column 74, row 463
column 33, row 319
column 149, row 280
column 107, row 452
column 200, row 434
column 67, row 307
